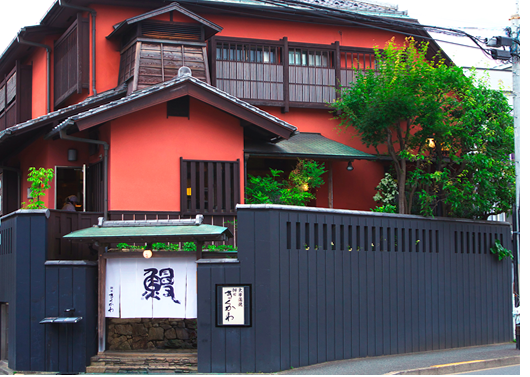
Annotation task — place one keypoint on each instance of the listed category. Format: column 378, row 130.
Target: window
column 15, row 96
column 69, row 181
column 209, row 187
column 127, row 64
column 310, row 58
column 71, row 61
column 251, row 53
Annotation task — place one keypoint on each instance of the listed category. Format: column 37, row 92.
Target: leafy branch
column 39, row 179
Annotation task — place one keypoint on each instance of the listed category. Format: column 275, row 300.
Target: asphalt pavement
column 502, row 371
column 451, row 361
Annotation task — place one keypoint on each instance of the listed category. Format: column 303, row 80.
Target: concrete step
column 138, row 362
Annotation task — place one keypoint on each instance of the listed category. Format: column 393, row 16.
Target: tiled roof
column 44, row 119
column 204, row 232
column 165, row 85
column 307, row 145
column 359, row 6
column 367, row 7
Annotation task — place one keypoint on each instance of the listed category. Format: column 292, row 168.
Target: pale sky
column 448, row 13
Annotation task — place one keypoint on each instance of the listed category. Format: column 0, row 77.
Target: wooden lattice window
column 71, row 61
column 127, row 63
column 311, row 58
column 209, row 187
column 15, row 96
column 248, row 52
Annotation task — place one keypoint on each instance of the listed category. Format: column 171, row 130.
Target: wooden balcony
column 284, row 73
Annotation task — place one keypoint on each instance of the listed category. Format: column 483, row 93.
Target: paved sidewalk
column 457, row 360
column 450, row 361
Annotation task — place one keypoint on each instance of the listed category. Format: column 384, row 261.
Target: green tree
column 297, row 190
column 448, row 135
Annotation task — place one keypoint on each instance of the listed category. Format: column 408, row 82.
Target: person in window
column 69, row 203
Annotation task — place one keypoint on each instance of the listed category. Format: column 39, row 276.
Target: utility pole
column 513, row 40
column 516, row 74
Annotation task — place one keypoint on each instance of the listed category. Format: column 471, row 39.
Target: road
column 503, row 371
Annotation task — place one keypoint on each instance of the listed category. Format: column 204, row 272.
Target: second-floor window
column 285, row 73
column 311, row 58
column 15, row 96
column 71, row 61
column 250, row 53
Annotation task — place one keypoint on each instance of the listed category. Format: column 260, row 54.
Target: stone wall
column 151, row 333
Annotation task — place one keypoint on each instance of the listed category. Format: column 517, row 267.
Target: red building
column 155, row 109
column 262, row 74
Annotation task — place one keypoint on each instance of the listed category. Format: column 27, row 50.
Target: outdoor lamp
column 72, row 154
column 431, row 142
column 147, row 253
column 349, row 167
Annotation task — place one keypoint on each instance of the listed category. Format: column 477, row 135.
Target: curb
column 465, row 366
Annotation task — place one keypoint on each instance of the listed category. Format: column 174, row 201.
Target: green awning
column 149, row 234
column 306, row 145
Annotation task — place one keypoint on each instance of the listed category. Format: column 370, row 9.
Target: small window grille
column 311, row 58
column 209, row 187
column 246, row 52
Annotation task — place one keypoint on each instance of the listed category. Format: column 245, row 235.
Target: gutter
column 62, row 3
column 48, row 65
column 64, row 136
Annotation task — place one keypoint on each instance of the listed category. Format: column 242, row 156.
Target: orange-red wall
column 146, row 147
column 49, row 154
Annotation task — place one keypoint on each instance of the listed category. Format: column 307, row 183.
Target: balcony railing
column 283, row 73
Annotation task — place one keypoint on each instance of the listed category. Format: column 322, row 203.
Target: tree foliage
column 298, row 190
column 449, row 136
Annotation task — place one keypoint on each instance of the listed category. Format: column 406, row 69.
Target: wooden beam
column 102, row 274
column 337, row 69
column 285, row 108
column 330, row 185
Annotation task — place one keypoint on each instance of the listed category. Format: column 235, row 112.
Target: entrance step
column 143, row 362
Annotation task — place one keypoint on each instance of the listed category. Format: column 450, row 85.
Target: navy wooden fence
column 35, row 290
column 331, row 284
column 22, row 257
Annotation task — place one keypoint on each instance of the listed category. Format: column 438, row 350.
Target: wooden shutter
column 213, row 186
column 71, row 61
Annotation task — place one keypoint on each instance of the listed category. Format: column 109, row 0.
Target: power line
column 353, row 17
column 366, row 21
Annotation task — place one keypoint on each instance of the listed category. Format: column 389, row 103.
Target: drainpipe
column 64, row 136
column 48, row 65
column 93, row 13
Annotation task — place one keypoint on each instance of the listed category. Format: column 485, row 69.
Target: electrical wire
column 381, row 19
column 363, row 20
